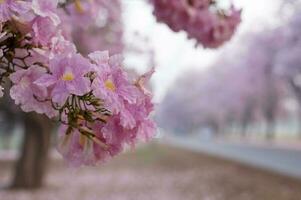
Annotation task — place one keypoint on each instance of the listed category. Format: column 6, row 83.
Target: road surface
column 281, row 160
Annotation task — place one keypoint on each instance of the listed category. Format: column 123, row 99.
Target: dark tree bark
column 31, row 165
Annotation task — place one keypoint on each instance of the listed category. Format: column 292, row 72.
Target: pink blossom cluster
column 99, row 108
column 200, row 19
column 85, row 21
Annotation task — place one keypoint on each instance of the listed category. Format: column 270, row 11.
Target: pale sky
column 174, row 53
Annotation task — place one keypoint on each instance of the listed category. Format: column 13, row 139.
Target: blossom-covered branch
column 202, row 20
column 99, row 108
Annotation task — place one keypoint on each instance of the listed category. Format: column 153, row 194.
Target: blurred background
column 229, row 119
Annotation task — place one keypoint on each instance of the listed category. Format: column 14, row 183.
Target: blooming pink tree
column 241, row 87
column 288, row 61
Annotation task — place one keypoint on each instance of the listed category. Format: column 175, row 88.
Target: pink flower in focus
column 46, row 8
column 67, row 77
column 76, row 149
column 61, row 46
column 26, row 93
column 111, row 83
column 10, row 8
column 42, row 30
column 130, row 122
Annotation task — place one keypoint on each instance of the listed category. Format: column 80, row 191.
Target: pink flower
column 114, row 135
column 83, row 13
column 61, row 46
column 46, row 9
column 146, row 130
column 131, row 106
column 67, row 77
column 10, row 8
column 220, row 28
column 144, row 127
column 28, row 94
column 207, row 26
column 42, row 31
column 111, row 83
column 77, row 149
column 109, row 140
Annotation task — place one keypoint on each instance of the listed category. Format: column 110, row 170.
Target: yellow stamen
column 110, row 85
column 2, row 1
column 68, row 76
column 78, row 6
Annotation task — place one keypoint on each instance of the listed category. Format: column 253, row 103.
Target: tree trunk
column 216, row 129
column 299, row 121
column 246, row 118
column 272, row 102
column 297, row 91
column 270, row 130
column 31, row 166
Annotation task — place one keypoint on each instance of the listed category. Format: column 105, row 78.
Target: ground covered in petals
column 157, row 172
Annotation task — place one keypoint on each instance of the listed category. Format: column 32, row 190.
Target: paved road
column 280, row 160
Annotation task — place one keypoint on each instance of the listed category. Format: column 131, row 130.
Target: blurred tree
column 9, row 119
column 240, row 87
column 31, row 165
